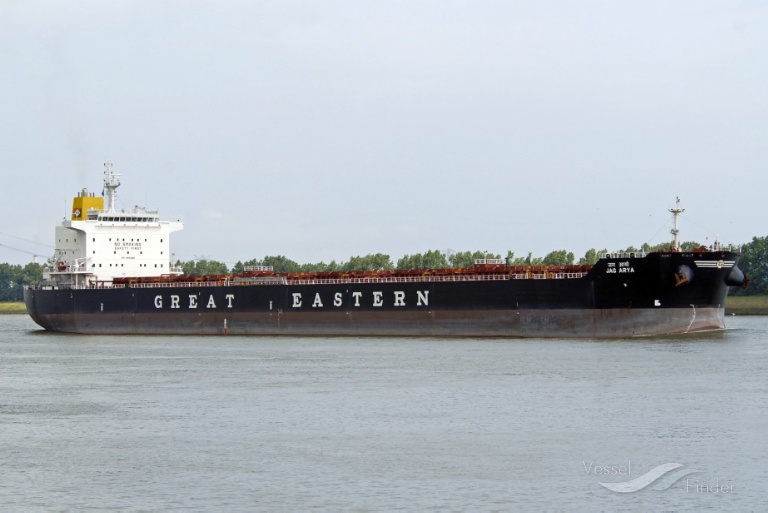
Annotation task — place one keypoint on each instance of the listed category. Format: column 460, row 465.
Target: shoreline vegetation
column 746, row 305
column 12, row 307
column 734, row 305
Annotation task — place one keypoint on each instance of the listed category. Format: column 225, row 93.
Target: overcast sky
column 325, row 129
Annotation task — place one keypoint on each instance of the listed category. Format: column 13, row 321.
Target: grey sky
column 326, row 129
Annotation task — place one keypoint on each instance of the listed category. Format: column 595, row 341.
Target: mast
column 111, row 183
column 676, row 211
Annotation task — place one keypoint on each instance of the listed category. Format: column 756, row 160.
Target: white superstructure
column 98, row 244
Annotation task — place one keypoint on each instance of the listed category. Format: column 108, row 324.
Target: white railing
column 623, row 254
column 280, row 280
column 546, row 276
column 80, row 265
column 399, row 279
column 248, row 268
column 489, row 261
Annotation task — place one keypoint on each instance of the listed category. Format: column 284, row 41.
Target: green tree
column 754, row 263
column 202, row 267
column 467, row 258
column 517, row 261
column 321, row 267
column 591, row 256
column 371, row 262
column 13, row 279
column 665, row 246
column 561, row 257
column 279, row 263
column 432, row 259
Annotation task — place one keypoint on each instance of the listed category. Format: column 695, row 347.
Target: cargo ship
column 111, row 273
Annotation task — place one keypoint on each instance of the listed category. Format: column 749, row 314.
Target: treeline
column 432, row 259
column 754, row 263
column 14, row 277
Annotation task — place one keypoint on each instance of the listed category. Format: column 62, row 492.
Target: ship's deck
column 240, row 280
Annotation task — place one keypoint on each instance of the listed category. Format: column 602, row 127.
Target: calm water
column 372, row 424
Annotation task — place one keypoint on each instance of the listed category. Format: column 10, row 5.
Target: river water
column 382, row 424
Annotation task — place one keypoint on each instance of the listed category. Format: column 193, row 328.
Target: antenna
column 111, row 183
column 676, row 211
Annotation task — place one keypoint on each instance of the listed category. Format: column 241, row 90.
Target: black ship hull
column 620, row 296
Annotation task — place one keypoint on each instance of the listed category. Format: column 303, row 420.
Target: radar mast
column 676, row 211
column 111, row 183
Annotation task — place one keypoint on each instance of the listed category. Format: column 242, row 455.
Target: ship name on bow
column 619, row 268
column 175, row 301
column 377, row 299
column 397, row 297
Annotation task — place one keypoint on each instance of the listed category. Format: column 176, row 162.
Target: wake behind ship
column 111, row 273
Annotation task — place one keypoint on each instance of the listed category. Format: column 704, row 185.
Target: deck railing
column 258, row 268
column 624, row 254
column 279, row 280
